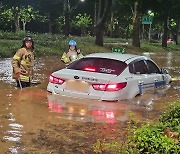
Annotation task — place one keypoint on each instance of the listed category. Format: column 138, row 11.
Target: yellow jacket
column 22, row 63
column 67, row 57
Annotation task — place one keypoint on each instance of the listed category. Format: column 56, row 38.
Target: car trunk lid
column 79, row 83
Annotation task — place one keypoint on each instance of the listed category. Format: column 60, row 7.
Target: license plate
column 77, row 86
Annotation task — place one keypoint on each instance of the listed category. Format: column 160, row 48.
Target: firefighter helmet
column 27, row 38
column 72, row 43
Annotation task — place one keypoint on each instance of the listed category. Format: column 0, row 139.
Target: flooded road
column 34, row 121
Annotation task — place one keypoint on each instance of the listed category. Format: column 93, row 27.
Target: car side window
column 132, row 69
column 138, row 67
column 152, row 67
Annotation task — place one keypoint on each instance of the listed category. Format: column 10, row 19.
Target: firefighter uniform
column 70, row 56
column 22, row 63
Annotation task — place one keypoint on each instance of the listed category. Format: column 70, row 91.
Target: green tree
column 136, row 23
column 26, row 15
column 59, row 24
column 49, row 11
column 174, row 21
column 103, row 13
column 164, row 13
column 122, row 19
column 82, row 22
column 6, row 16
column 136, row 10
column 68, row 12
column 14, row 6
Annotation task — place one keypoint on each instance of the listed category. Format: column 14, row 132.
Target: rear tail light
column 56, row 80
column 101, row 87
column 90, row 68
column 109, row 87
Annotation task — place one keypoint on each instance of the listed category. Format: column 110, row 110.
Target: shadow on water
column 35, row 121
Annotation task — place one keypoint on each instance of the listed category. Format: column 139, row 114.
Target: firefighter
column 72, row 54
column 22, row 63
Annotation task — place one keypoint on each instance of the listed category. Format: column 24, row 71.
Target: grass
column 46, row 44
column 155, row 47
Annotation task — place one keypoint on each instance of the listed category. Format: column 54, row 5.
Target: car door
column 154, row 72
column 144, row 79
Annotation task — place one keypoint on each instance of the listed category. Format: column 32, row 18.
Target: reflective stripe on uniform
column 15, row 57
column 65, row 58
column 80, row 56
column 24, row 78
column 23, row 62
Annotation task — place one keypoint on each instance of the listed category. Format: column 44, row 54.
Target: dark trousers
column 23, row 84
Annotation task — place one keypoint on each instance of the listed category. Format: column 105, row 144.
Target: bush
column 171, row 117
column 151, row 139
column 160, row 138
column 46, row 44
column 163, row 137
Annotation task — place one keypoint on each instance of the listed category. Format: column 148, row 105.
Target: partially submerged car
column 108, row 77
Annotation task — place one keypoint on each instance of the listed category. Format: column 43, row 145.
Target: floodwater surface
column 35, row 121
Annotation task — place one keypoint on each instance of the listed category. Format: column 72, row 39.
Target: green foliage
column 59, row 24
column 171, row 117
column 155, row 138
column 12, row 36
column 8, row 48
column 27, row 14
column 151, row 47
column 6, row 17
column 46, row 44
column 101, row 147
column 150, row 139
column 82, row 22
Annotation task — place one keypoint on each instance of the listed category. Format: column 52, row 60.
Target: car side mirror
column 164, row 71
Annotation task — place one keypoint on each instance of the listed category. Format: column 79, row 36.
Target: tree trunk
column 104, row 10
column 24, row 26
column 67, row 18
column 67, row 25
column 111, row 25
column 127, row 32
column 178, row 33
column 136, row 24
column 15, row 11
column 164, row 37
column 166, row 16
column 49, row 23
column 99, row 35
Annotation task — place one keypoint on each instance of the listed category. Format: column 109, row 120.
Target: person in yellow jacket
column 22, row 63
column 72, row 54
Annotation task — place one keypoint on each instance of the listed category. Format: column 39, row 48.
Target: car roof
column 116, row 56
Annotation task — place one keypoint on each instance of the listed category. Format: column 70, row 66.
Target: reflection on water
column 143, row 106
column 84, row 109
column 6, row 70
column 12, row 133
column 169, row 59
column 99, row 111
column 26, row 111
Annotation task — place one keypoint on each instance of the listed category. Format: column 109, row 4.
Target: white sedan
column 108, row 77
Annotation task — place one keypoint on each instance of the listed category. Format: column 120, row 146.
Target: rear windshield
column 100, row 65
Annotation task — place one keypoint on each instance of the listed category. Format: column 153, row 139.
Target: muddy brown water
column 34, row 121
